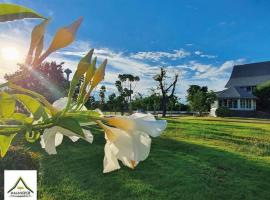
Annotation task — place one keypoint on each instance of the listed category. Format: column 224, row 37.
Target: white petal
column 74, row 138
column 60, row 103
column 88, row 136
column 42, row 142
column 152, row 128
column 83, row 108
column 58, row 139
column 142, row 145
column 49, row 140
column 139, row 122
column 110, row 162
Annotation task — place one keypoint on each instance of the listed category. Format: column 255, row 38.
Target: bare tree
column 167, row 90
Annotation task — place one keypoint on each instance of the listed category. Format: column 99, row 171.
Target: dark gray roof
column 235, row 92
column 249, row 74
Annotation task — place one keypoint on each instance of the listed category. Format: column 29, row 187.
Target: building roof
column 235, row 92
column 249, row 74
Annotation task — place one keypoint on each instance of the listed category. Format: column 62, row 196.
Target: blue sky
column 201, row 40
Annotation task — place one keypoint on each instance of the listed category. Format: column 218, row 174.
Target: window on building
column 254, row 104
column 229, row 103
column 225, row 103
column 249, row 89
column 235, row 104
column 248, row 103
column 242, row 103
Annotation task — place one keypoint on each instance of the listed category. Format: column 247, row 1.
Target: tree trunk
column 130, row 104
column 164, row 106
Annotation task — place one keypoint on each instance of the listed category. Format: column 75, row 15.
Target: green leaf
column 84, row 64
column 5, row 141
column 91, row 113
column 32, row 105
column 70, row 124
column 22, row 118
column 32, row 136
column 10, row 12
column 7, row 105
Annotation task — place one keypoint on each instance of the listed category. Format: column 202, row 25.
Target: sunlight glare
column 10, row 54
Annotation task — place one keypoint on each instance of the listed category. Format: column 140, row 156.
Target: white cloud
column 217, row 72
column 203, row 55
column 158, row 55
column 192, row 72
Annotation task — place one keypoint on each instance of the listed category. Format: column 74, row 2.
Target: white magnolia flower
column 130, row 141
column 141, row 122
column 130, row 148
column 52, row 137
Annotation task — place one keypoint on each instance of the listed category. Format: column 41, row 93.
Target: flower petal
column 130, row 148
column 50, row 139
column 152, row 128
column 60, row 103
column 139, row 122
column 88, row 136
column 110, row 162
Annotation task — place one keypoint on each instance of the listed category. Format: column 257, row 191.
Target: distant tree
column 47, row 79
column 68, row 72
column 154, row 101
column 77, row 89
column 127, row 82
column 200, row 99
column 166, row 91
column 262, row 91
column 172, row 103
column 102, row 96
column 121, row 99
column 91, row 103
column 112, row 103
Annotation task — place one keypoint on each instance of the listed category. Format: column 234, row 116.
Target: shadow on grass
column 174, row 170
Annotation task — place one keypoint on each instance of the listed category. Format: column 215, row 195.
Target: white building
column 238, row 95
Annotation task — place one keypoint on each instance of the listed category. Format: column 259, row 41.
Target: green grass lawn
column 196, row 158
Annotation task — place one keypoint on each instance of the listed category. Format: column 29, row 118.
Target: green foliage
column 223, row 112
column 23, row 107
column 9, row 12
column 70, row 124
column 32, row 105
column 102, row 96
column 5, row 141
column 32, row 136
column 262, row 91
column 125, row 86
column 200, row 99
column 47, row 79
column 7, row 105
column 22, row 118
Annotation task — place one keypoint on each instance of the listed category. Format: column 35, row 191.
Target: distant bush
column 223, row 112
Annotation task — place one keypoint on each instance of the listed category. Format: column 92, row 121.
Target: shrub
column 223, row 112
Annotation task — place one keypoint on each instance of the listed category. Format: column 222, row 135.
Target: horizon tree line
column 49, row 78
